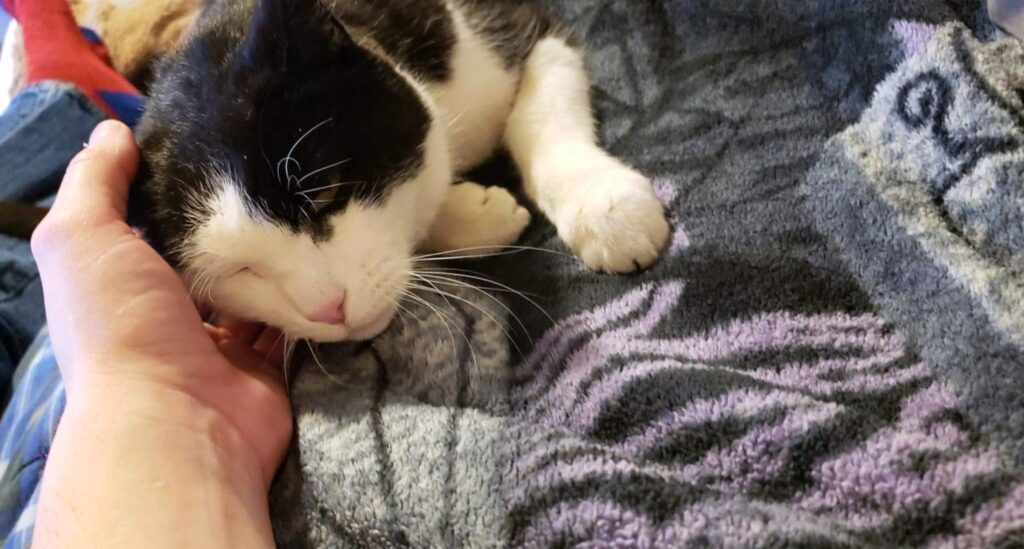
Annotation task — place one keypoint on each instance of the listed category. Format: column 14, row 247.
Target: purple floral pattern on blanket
column 743, row 444
column 744, row 392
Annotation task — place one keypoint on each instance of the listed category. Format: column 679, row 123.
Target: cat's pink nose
column 332, row 312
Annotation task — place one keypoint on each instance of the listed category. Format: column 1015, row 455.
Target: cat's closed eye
column 298, row 153
column 248, row 271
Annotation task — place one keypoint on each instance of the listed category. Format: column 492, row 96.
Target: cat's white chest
column 476, row 101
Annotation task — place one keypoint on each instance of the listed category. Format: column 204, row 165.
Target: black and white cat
column 300, row 152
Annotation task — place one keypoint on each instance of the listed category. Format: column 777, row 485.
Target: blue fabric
column 127, row 106
column 43, row 128
column 91, row 36
column 27, row 428
column 21, row 311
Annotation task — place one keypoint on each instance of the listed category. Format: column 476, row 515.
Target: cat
column 298, row 153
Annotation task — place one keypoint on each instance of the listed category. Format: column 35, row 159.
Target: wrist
column 144, row 409
column 156, row 460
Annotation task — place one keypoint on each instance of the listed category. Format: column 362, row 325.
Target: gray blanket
column 830, row 354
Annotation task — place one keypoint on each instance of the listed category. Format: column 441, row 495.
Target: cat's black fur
column 254, row 78
column 512, row 27
column 255, row 75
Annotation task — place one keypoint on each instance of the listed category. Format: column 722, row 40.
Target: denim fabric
column 42, row 129
column 21, row 306
column 44, row 126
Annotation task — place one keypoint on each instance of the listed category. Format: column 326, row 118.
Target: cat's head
column 290, row 172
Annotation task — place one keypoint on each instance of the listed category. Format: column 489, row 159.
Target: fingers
column 94, row 191
column 246, row 358
column 205, row 310
column 271, row 345
column 266, row 343
column 95, row 188
column 97, row 180
column 241, row 330
column 217, row 334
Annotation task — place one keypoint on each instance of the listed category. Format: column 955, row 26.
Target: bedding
column 136, row 32
column 828, row 355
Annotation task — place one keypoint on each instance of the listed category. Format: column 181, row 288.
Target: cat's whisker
column 461, row 273
column 431, row 278
column 440, row 315
column 437, row 291
column 501, row 325
column 296, row 145
column 463, row 257
column 501, row 250
column 202, row 287
column 193, row 286
column 298, row 185
column 400, row 310
column 405, row 325
column 312, row 203
column 316, row 359
column 287, row 350
column 412, row 133
column 286, row 161
column 263, row 147
column 328, row 187
column 208, row 290
column 460, row 284
column 432, row 289
column 455, row 120
column 483, row 311
column 284, row 367
column 444, row 281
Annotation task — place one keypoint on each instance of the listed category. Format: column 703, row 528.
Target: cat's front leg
column 606, row 211
column 476, row 219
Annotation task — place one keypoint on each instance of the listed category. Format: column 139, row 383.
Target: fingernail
column 105, row 130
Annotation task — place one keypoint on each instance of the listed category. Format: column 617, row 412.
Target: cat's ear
column 314, row 20
column 287, row 32
column 266, row 43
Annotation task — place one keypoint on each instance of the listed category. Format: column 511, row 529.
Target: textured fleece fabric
column 828, row 355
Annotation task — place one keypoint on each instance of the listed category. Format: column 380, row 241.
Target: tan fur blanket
column 135, row 31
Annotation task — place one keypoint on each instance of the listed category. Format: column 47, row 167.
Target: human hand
column 126, row 333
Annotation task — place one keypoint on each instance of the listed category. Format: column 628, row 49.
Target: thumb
column 96, row 184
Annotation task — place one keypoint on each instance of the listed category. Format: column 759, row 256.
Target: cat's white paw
column 477, row 217
column 614, row 222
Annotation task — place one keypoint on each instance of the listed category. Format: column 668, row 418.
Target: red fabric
column 56, row 50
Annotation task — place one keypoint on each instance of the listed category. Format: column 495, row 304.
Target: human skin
column 173, row 428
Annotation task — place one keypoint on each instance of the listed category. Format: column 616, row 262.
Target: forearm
column 119, row 475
